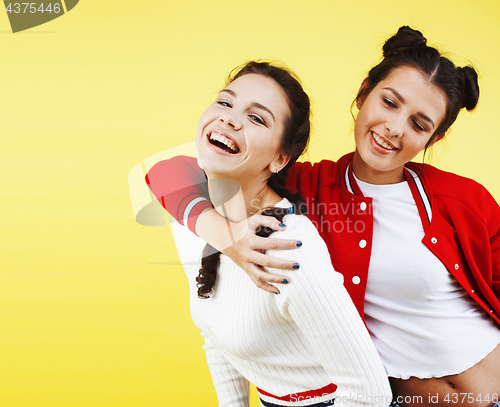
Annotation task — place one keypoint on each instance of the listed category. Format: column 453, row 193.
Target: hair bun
column 405, row 39
column 470, row 87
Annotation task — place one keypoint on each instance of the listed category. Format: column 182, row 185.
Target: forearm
column 216, row 230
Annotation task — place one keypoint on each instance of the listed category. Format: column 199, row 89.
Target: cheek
column 413, row 147
column 210, row 114
column 359, row 129
column 206, row 118
column 276, row 142
column 264, row 147
column 362, row 119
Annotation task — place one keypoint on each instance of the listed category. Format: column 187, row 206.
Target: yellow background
column 93, row 307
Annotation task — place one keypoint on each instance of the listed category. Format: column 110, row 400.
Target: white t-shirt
column 423, row 323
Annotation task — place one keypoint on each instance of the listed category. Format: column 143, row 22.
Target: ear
column 279, row 162
column 361, row 98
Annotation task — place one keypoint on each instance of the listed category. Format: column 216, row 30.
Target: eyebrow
column 403, row 100
column 255, row 104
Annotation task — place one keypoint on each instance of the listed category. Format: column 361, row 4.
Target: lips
column 222, row 141
column 383, row 143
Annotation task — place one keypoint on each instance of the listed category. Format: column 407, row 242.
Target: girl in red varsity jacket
column 419, row 248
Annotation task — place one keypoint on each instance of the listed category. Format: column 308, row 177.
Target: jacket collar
column 420, row 196
column 414, row 179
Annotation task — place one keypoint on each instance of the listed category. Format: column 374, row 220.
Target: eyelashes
column 389, row 103
column 224, row 103
column 257, row 119
column 252, row 116
column 416, row 125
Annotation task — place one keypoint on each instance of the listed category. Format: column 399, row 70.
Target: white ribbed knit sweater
column 306, row 338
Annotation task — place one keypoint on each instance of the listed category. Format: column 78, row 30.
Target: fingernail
column 298, row 244
column 296, row 266
column 282, row 225
column 284, row 281
column 276, row 292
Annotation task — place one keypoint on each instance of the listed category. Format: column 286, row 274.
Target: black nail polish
column 276, row 292
column 296, row 266
column 298, row 244
column 282, row 225
column 284, row 281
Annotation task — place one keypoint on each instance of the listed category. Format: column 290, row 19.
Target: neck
column 367, row 174
column 237, row 202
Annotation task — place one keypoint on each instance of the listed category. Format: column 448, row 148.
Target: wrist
column 216, row 230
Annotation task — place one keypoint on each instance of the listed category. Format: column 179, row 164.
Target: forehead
column 417, row 90
column 259, row 89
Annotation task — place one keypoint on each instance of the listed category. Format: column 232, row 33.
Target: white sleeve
column 232, row 388
column 319, row 304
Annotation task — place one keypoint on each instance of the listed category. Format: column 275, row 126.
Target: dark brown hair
column 294, row 140
column 409, row 48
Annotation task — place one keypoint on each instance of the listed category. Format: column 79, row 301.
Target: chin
column 208, row 163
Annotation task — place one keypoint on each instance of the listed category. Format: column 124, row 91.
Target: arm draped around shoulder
column 318, row 303
column 179, row 184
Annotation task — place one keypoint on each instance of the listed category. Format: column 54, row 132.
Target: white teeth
column 224, row 140
column 380, row 141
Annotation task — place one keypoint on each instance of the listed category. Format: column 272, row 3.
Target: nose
column 230, row 120
column 395, row 126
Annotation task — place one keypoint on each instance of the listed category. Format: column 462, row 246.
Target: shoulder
column 448, row 181
column 323, row 167
column 298, row 227
column 456, row 189
column 444, row 183
column 307, row 177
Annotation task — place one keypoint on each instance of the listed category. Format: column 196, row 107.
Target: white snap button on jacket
column 434, row 240
column 356, row 280
column 362, row 243
column 456, row 266
column 362, row 206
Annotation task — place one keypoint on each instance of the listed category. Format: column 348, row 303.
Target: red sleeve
column 179, row 184
column 493, row 219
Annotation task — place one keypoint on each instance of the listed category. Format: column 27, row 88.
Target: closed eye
column 418, row 126
column 389, row 103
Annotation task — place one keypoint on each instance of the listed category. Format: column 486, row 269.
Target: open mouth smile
column 223, row 142
column 382, row 143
